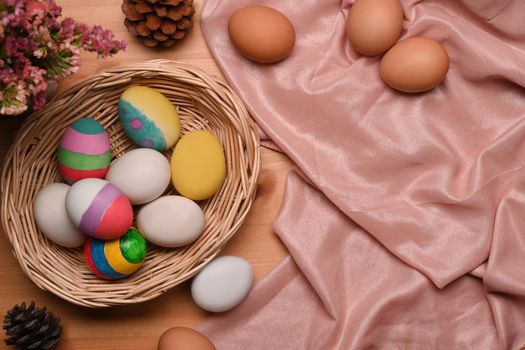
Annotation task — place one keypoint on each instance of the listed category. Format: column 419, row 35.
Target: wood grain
column 139, row 326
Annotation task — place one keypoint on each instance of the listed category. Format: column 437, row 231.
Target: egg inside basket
column 204, row 103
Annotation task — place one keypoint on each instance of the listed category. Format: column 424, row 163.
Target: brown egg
column 414, row 65
column 262, row 34
column 182, row 338
column 373, row 26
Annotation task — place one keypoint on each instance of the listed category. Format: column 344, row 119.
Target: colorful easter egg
column 149, row 118
column 84, row 151
column 99, row 209
column 198, row 166
column 118, row 258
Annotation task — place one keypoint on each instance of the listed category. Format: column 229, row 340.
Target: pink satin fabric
column 416, row 238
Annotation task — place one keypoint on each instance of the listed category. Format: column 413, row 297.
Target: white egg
column 52, row 218
column 222, row 284
column 171, row 221
column 142, row 174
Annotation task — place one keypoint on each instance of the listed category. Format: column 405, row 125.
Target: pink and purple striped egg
column 99, row 209
column 84, row 151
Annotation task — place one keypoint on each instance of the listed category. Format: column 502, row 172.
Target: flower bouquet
column 39, row 47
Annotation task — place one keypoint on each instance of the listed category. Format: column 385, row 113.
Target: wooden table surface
column 139, row 326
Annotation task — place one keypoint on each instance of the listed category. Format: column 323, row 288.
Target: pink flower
column 68, row 28
column 99, row 40
column 39, row 45
column 36, row 8
column 14, row 99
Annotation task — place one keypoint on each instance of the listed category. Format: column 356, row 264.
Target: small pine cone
column 158, row 22
column 32, row 328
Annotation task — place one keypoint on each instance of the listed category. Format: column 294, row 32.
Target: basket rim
column 212, row 85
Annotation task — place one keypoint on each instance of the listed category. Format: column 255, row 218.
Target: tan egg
column 182, row 338
column 262, row 34
column 373, row 26
column 414, row 65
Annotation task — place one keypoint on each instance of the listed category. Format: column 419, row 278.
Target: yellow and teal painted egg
column 116, row 259
column 149, row 118
column 84, row 151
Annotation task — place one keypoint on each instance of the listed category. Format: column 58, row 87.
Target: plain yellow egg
column 198, row 166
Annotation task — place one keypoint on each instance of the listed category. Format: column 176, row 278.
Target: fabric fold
column 343, row 290
column 434, row 181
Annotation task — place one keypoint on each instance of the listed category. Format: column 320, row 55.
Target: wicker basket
column 204, row 103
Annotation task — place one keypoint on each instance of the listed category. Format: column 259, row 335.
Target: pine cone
column 31, row 328
column 158, row 21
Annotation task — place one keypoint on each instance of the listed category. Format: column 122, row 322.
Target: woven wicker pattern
column 204, row 103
